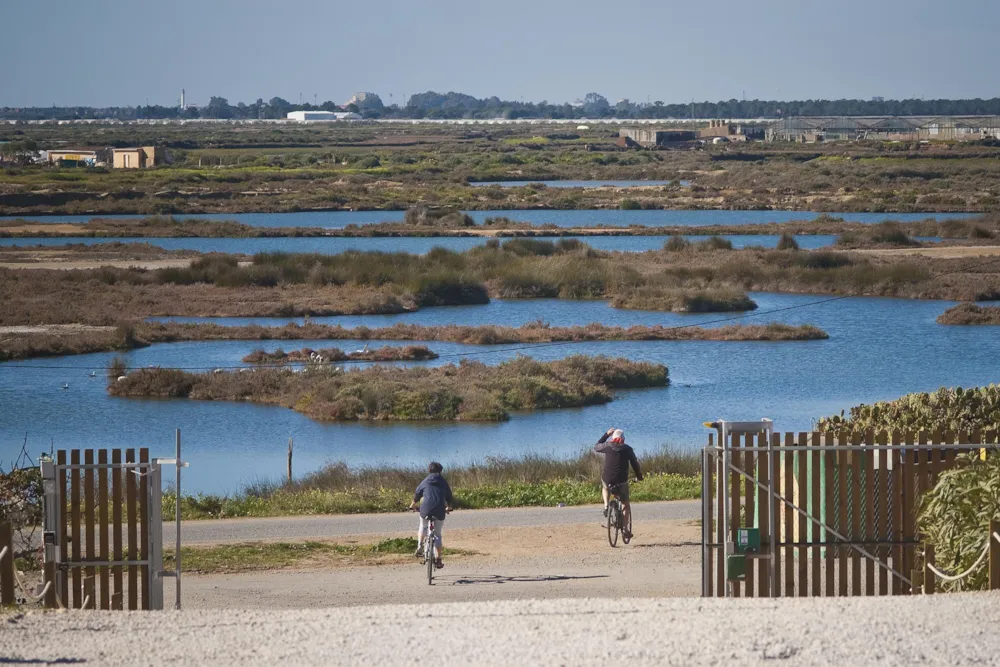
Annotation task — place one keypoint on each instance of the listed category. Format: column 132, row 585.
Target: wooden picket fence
column 100, row 558
column 845, row 510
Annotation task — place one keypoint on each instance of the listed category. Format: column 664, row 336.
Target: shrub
column 117, row 368
column 787, row 242
column 684, row 300
column 714, row 243
column 970, row 313
column 823, row 260
column 676, row 243
column 447, row 290
column 949, row 410
column 955, row 516
column 630, row 205
column 382, row 392
column 525, row 247
column 570, row 245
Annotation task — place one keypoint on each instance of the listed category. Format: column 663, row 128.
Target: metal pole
column 706, row 518
column 177, row 519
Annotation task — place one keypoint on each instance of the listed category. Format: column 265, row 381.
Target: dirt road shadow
column 502, row 579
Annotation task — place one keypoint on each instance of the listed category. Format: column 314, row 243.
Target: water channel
column 415, row 245
column 560, row 218
column 878, row 349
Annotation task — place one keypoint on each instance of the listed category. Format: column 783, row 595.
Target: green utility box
column 747, row 540
column 736, row 567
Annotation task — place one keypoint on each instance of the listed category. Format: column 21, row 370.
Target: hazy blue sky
column 113, row 52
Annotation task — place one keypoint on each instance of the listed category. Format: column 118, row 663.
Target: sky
column 113, row 52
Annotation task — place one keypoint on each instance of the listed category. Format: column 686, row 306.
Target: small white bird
column 93, row 374
column 65, row 385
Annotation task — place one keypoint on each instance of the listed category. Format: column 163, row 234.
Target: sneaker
column 438, row 564
column 627, row 534
column 419, row 553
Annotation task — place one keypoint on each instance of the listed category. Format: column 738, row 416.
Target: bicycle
column 428, row 547
column 616, row 519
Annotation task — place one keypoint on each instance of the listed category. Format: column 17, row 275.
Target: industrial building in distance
column 305, row 116
column 810, row 129
column 813, row 129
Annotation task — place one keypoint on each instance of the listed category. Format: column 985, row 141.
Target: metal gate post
column 51, row 520
column 155, row 546
column 720, row 526
column 726, row 519
column 706, row 516
column 176, row 573
column 726, row 430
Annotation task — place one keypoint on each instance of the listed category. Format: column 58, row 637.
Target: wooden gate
column 103, row 529
column 835, row 513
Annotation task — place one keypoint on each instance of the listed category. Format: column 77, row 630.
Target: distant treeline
column 432, row 105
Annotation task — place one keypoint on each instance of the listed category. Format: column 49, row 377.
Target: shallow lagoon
column 879, row 349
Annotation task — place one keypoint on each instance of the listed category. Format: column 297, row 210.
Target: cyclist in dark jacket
column 434, row 498
column 617, row 458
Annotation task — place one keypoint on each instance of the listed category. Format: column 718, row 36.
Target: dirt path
column 98, row 263
column 54, row 329
column 946, row 252
column 511, row 563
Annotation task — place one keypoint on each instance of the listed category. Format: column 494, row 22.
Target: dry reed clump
column 684, row 300
column 882, row 235
column 787, row 242
column 970, row 314
column 65, row 340
column 332, row 354
column 534, row 332
column 469, row 391
column 280, row 284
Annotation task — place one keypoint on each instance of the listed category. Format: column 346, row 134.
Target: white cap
column 618, row 434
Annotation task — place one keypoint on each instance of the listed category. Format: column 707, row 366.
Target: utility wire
column 517, row 348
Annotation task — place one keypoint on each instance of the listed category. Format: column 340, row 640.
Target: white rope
column 24, row 589
column 955, row 577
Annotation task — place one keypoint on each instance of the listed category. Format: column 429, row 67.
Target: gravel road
column 509, row 563
column 926, row 630
column 332, row 526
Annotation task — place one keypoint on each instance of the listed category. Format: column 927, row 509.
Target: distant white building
column 363, row 100
column 303, row 116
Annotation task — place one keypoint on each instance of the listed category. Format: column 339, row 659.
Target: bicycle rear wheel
column 614, row 523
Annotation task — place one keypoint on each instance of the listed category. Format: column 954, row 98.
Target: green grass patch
column 250, row 556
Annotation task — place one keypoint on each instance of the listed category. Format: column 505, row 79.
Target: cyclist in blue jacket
column 434, row 498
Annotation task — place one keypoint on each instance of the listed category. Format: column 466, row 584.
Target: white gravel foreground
column 924, row 630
